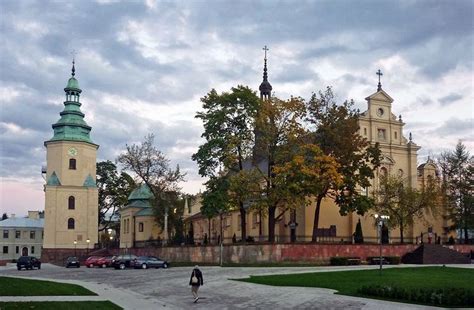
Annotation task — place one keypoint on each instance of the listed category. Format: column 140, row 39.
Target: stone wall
column 256, row 253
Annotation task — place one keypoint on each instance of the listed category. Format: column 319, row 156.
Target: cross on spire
column 73, row 53
column 379, row 86
column 265, row 48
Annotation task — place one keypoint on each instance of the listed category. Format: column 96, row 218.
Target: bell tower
column 71, row 194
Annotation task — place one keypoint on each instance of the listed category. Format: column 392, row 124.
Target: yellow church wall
column 151, row 230
column 85, row 214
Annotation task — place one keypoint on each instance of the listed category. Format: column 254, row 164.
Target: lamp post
column 88, row 241
column 380, row 219
column 75, row 244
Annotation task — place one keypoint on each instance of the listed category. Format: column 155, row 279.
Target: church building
column 378, row 124
column 71, row 194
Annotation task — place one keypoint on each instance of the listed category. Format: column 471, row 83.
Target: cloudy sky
column 144, row 65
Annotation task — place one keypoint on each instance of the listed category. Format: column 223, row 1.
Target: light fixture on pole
column 88, row 241
column 380, row 220
column 75, row 244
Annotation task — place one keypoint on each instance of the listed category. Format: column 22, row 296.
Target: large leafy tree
column 114, row 188
column 152, row 167
column 228, row 120
column 335, row 130
column 457, row 169
column 279, row 124
column 405, row 204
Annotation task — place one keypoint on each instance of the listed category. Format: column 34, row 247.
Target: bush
column 358, row 236
column 448, row 297
column 339, row 261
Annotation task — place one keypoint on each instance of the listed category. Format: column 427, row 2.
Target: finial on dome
column 73, row 70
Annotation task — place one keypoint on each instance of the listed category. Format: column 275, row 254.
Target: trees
column 4, row 216
column 114, row 189
column 458, row 183
column 151, row 167
column 405, row 204
column 335, row 130
column 228, row 130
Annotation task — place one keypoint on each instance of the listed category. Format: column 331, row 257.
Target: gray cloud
column 446, row 100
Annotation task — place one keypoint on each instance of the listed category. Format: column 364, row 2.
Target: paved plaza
column 169, row 289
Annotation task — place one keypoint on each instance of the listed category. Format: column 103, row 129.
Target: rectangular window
column 365, row 131
column 72, row 164
column 5, row 234
column 140, row 227
column 5, row 249
column 254, row 220
column 33, row 249
column 17, row 234
column 395, row 134
column 17, row 249
column 32, row 234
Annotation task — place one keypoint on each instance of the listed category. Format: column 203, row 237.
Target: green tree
column 457, row 169
column 228, row 132
column 405, row 204
column 4, row 216
column 335, row 130
column 114, row 189
column 281, row 132
column 152, row 167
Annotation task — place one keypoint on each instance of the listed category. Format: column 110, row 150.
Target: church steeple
column 71, row 126
column 265, row 87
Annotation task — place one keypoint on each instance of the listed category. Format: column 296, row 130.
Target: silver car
column 145, row 262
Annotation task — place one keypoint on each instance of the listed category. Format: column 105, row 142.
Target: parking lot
column 169, row 288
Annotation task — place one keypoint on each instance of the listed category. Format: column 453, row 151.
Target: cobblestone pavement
column 169, row 289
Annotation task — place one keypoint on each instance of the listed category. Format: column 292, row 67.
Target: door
column 24, row 251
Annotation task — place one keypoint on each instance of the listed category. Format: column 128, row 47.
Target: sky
column 144, row 65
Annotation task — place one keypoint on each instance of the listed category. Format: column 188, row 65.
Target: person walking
column 196, row 281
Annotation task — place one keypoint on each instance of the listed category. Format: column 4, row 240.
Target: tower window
column 71, row 203
column 140, row 227
column 32, row 234
column 70, row 223
column 395, row 134
column 365, row 131
column 72, row 164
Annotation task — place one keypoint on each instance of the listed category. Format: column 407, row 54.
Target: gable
column 381, row 95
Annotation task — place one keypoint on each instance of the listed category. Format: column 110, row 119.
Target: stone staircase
column 435, row 254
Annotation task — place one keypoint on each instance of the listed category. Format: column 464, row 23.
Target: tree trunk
column 243, row 223
column 401, row 232
column 271, row 224
column 316, row 218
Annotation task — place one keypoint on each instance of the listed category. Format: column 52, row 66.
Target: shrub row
column 344, row 261
column 447, row 297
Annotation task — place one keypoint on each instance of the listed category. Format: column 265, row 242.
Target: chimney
column 33, row 215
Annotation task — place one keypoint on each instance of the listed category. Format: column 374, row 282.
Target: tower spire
column 73, row 70
column 265, row 87
column 379, row 86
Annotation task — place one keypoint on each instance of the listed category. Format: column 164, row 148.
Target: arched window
column 72, row 164
column 70, row 223
column 71, row 203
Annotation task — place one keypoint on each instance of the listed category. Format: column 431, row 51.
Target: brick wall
column 255, row 253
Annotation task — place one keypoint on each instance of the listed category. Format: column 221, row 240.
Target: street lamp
column 380, row 219
column 88, row 241
column 75, row 243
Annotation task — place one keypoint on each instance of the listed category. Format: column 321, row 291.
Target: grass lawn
column 348, row 282
column 26, row 287
column 60, row 305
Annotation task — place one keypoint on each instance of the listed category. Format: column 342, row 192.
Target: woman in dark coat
column 196, row 281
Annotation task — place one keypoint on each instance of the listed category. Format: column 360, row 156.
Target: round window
column 379, row 111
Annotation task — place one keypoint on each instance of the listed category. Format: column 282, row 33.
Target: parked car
column 72, row 261
column 145, row 262
column 123, row 261
column 105, row 261
column 28, row 262
column 92, row 261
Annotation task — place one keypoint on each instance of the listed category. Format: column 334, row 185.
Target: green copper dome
column 72, row 126
column 142, row 192
column 72, row 84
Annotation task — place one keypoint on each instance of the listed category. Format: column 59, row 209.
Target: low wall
column 256, row 253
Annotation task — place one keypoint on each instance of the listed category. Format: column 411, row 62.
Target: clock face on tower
column 72, row 151
column 380, row 111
